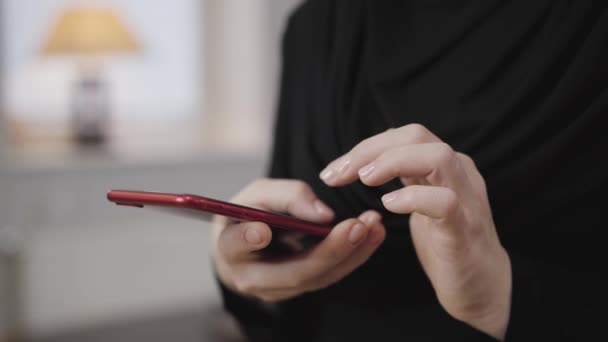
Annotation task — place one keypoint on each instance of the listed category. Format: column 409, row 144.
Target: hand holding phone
column 238, row 248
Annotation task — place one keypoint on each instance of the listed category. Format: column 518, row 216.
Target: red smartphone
column 204, row 207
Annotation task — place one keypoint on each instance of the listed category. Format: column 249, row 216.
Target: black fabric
column 520, row 86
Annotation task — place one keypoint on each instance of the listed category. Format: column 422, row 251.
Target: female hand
column 237, row 247
column 451, row 221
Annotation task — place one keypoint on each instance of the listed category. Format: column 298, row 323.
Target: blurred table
column 72, row 237
column 200, row 326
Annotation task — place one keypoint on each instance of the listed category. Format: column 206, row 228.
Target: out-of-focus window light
column 155, row 95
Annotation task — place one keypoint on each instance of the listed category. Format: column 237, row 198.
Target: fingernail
column 357, row 233
column 366, row 170
column 389, row 197
column 368, row 218
column 320, row 207
column 344, row 167
column 327, row 174
column 253, row 237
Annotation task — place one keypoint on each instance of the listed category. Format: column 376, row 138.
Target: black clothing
column 521, row 86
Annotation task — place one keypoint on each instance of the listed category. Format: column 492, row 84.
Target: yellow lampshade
column 89, row 31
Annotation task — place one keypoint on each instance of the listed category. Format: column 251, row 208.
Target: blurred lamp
column 89, row 34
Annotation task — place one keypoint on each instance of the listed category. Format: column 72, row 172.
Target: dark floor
column 213, row 325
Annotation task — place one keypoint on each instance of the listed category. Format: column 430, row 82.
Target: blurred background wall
column 190, row 109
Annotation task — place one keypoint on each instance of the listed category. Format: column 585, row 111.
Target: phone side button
column 136, row 205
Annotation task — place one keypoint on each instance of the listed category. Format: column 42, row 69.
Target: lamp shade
column 89, row 31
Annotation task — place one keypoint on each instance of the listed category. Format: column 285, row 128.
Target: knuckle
column 416, row 219
column 389, row 161
column 362, row 146
column 260, row 182
column 473, row 170
column 265, row 183
column 363, row 143
column 452, row 202
column 467, row 159
column 243, row 196
column 394, row 166
column 415, row 132
column 409, row 194
column 444, row 155
column 382, row 158
column 300, row 187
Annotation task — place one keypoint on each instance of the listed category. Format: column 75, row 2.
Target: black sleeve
column 550, row 303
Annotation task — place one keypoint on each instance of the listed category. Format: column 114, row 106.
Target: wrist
column 494, row 320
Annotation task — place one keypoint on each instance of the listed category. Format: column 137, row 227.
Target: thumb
column 238, row 241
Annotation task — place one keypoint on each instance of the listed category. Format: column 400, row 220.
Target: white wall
column 242, row 40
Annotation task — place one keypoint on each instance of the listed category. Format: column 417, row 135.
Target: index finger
column 293, row 197
column 343, row 170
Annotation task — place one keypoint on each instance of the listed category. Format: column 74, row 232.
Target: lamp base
column 90, row 110
column 96, row 139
